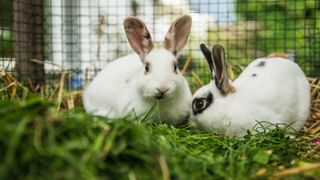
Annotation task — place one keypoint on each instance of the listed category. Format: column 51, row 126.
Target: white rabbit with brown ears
column 134, row 83
column 271, row 89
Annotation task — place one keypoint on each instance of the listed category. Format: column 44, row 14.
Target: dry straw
column 313, row 124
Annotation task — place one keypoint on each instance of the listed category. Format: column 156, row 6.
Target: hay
column 312, row 126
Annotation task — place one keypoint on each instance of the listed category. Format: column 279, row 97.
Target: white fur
column 279, row 93
column 122, row 88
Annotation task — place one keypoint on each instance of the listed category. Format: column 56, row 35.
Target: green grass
column 37, row 142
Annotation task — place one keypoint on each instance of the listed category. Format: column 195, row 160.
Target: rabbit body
column 145, row 81
column 274, row 90
column 122, row 89
column 107, row 94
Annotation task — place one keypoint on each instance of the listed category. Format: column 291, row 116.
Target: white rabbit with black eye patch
column 133, row 84
column 271, row 89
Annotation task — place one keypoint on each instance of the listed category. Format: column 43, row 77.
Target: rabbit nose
column 162, row 89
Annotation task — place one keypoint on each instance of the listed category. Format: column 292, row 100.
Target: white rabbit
column 133, row 84
column 271, row 89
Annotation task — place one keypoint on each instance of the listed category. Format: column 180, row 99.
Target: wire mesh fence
column 41, row 39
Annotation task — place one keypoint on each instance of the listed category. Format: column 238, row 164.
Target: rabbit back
column 275, row 89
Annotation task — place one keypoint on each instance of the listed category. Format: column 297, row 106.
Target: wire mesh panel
column 6, row 35
column 81, row 36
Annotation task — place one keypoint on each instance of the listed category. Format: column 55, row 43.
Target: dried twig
column 8, row 86
column 197, row 79
column 60, row 91
column 8, row 79
column 297, row 170
column 46, row 62
column 163, row 166
column 186, row 65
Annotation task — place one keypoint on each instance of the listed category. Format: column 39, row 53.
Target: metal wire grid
column 82, row 36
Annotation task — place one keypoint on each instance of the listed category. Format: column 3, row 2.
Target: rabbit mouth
column 160, row 96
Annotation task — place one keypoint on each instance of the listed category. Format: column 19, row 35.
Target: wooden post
column 29, row 41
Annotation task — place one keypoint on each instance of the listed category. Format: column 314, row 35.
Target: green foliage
column 286, row 26
column 6, row 43
column 6, row 13
column 6, row 20
column 37, row 142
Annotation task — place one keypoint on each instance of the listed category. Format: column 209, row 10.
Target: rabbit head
column 160, row 77
column 219, row 87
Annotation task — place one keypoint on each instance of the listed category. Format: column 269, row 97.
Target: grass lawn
column 51, row 137
column 39, row 142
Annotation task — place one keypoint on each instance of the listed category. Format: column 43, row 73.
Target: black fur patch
column 198, row 103
column 261, row 64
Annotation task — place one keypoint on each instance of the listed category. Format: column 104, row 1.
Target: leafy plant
column 285, row 26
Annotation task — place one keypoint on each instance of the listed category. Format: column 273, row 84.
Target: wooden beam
column 29, row 41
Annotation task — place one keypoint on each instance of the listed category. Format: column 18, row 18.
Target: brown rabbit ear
column 177, row 34
column 138, row 36
column 221, row 70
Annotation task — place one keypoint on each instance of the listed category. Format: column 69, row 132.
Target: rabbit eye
column 147, row 67
column 175, row 67
column 200, row 104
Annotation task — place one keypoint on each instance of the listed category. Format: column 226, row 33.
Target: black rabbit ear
column 221, row 70
column 207, row 54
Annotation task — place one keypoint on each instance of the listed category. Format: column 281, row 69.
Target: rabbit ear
column 207, row 54
column 138, row 36
column 221, row 70
column 177, row 34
